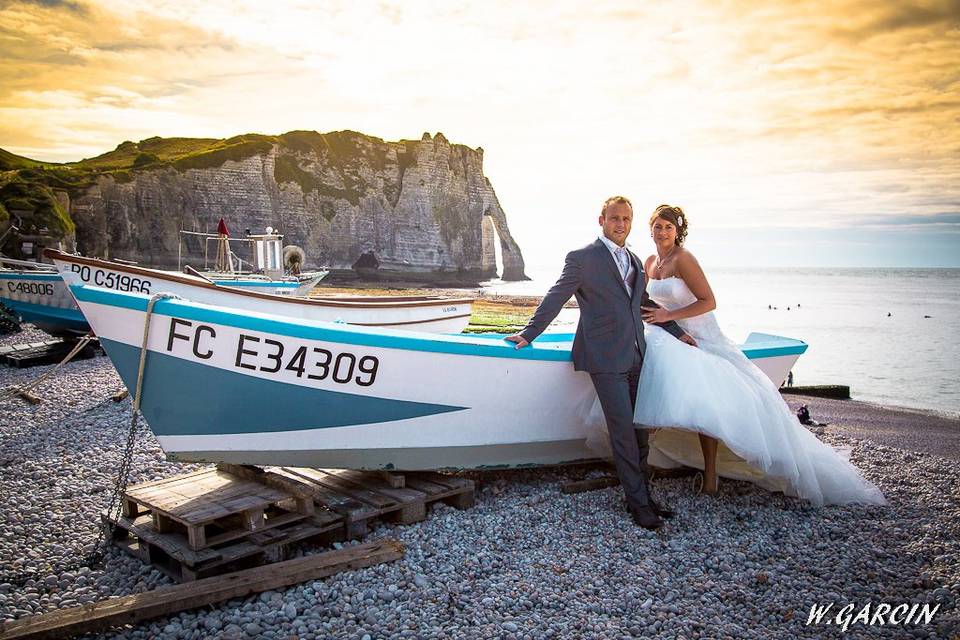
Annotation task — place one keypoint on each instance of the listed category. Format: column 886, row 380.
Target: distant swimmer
column 788, row 308
column 798, row 305
column 769, row 306
column 927, row 316
column 889, row 314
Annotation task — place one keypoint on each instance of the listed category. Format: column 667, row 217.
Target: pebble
column 526, row 561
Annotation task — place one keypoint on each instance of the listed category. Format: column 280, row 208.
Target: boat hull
column 441, row 315
column 222, row 385
column 44, row 300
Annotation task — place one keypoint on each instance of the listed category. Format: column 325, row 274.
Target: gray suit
column 609, row 345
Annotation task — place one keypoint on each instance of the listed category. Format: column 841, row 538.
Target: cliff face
column 414, row 209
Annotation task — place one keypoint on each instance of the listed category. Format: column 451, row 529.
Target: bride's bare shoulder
column 684, row 256
column 648, row 263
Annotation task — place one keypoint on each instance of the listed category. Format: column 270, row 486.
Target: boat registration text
column 257, row 353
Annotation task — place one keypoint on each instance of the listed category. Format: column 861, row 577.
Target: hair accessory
column 680, row 220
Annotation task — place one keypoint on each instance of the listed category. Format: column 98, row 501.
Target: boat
column 266, row 273
column 222, row 384
column 36, row 293
column 410, row 313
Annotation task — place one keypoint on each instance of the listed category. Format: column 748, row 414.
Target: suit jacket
column 610, row 319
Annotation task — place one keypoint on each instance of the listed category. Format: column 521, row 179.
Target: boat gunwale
column 54, row 254
column 456, row 344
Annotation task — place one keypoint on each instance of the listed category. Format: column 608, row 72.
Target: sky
column 822, row 133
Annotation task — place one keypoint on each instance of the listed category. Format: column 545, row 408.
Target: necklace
column 659, row 262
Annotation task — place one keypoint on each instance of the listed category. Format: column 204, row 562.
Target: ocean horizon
column 888, row 333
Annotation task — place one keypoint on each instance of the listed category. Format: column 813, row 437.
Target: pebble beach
column 527, row 561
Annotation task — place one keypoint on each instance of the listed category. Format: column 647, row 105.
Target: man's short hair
column 615, row 200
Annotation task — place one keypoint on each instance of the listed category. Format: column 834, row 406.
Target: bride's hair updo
column 676, row 216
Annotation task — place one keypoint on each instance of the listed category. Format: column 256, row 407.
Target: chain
column 115, row 507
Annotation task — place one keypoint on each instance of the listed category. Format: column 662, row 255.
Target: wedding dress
column 715, row 390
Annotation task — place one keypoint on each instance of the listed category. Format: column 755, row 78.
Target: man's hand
column 655, row 315
column 520, row 341
column 688, row 339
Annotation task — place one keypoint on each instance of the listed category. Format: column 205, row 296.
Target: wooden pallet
column 209, row 522
column 35, row 354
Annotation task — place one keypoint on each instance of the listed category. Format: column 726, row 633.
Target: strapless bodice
column 670, row 293
column 673, row 293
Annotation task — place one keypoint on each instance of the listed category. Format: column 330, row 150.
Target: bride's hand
column 655, row 315
column 687, row 338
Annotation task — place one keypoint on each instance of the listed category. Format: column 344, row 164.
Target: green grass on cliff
column 11, row 162
column 37, row 207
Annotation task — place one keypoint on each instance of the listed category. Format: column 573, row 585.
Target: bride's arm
column 689, row 269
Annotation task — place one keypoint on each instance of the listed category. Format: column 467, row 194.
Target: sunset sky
column 793, row 134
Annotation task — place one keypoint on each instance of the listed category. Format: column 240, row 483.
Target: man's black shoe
column 656, row 508
column 645, row 517
column 663, row 512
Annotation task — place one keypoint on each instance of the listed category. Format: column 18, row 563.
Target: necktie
column 623, row 262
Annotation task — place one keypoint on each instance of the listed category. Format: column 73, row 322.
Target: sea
column 891, row 335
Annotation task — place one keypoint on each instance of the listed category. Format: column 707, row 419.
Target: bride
column 713, row 408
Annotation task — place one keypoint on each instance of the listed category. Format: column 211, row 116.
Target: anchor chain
column 115, row 506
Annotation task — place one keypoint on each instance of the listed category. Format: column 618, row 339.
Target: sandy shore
column 527, row 561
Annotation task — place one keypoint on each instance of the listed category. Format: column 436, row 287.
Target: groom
column 610, row 286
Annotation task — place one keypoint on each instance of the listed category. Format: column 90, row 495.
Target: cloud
column 828, row 114
column 67, row 5
column 922, row 220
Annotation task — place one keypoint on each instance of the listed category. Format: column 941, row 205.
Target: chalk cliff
column 413, row 209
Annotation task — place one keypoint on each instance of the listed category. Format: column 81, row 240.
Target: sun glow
column 784, row 117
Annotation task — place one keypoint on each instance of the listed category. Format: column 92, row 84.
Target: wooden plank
column 173, row 544
column 454, row 482
column 235, row 534
column 153, row 483
column 268, row 477
column 355, row 490
column 395, row 480
column 591, row 484
column 332, row 499
column 210, row 499
column 139, row 607
column 430, row 488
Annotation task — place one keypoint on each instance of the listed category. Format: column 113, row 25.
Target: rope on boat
column 24, row 389
column 114, row 507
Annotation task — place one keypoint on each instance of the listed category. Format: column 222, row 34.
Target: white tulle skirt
column 715, row 390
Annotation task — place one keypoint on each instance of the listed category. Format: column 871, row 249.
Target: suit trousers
column 618, row 396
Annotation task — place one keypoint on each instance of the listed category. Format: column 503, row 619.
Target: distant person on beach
column 609, row 283
column 790, row 378
column 701, row 400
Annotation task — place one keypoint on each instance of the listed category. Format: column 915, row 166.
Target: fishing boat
column 37, row 294
column 224, row 384
column 410, row 313
column 266, row 271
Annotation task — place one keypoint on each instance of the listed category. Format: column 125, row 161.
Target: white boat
column 224, row 384
column 410, row 313
column 266, row 269
column 36, row 293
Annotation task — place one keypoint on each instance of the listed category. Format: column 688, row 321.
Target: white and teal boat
column 37, row 293
column 223, row 384
column 411, row 313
